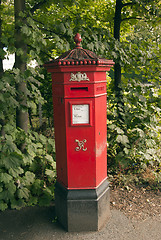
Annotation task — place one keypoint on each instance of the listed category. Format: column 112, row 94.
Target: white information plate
column 80, row 114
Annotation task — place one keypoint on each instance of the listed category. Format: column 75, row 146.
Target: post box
column 79, row 101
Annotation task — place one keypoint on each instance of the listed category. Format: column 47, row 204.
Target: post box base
column 82, row 209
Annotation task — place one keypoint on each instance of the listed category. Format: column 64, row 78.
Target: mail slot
column 79, row 88
column 79, row 101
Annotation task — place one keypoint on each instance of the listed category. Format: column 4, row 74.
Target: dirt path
column 136, row 203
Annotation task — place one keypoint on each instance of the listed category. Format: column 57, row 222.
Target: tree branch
column 128, row 4
column 37, row 6
column 130, row 18
column 70, row 11
column 35, row 20
column 48, row 31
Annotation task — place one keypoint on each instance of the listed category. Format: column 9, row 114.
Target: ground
column 139, row 217
column 136, row 202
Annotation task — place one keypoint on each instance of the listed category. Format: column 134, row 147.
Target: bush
column 134, row 140
column 26, row 178
column 27, row 160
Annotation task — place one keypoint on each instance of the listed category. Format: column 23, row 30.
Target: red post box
column 79, row 100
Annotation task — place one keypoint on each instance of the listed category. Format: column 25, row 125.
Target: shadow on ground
column 28, row 223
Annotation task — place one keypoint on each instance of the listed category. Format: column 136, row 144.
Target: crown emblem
column 78, row 77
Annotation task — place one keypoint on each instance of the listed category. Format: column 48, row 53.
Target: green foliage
column 46, row 92
column 27, row 164
column 26, row 178
column 136, row 141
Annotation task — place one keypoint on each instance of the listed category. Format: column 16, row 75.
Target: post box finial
column 79, row 56
column 77, row 40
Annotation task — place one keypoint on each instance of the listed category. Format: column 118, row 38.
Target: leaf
column 62, row 28
column 6, row 195
column 49, row 158
column 3, row 206
column 23, row 193
column 90, row 46
column 148, row 156
column 16, row 71
column 14, row 160
column 17, row 204
column 126, row 150
column 37, row 187
column 122, row 139
column 26, row 30
column 33, row 106
column 114, row 55
column 46, row 198
column 32, row 201
column 11, row 187
column 15, row 172
column 1, row 189
column 31, row 150
column 50, row 173
column 28, row 178
column 70, row 31
column 51, row 146
column 39, row 145
column 5, row 177
column 43, row 139
column 119, row 130
column 111, row 126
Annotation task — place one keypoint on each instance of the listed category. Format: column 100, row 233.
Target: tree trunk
column 20, row 63
column 117, row 19
column 117, row 67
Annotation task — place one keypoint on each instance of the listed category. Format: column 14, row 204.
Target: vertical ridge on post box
column 79, row 101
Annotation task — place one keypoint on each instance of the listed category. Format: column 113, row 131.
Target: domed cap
column 80, row 56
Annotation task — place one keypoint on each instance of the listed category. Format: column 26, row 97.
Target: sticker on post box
column 80, row 114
